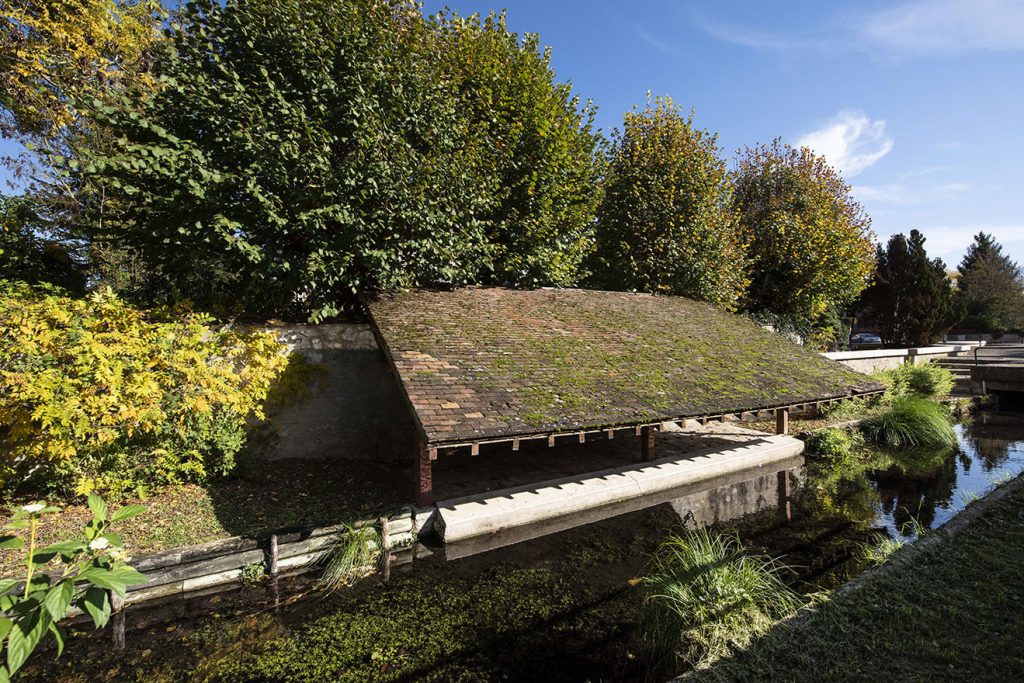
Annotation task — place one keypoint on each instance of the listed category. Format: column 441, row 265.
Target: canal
column 554, row 604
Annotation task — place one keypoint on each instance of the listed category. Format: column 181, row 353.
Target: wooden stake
column 785, row 505
column 117, row 620
column 272, row 555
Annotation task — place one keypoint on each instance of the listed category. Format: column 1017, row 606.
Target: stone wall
column 354, row 407
column 887, row 359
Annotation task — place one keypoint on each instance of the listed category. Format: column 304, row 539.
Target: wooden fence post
column 782, row 421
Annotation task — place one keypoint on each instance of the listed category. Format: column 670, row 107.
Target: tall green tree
column 910, row 298
column 665, row 224
column 990, row 287
column 810, row 242
column 301, row 153
column 536, row 152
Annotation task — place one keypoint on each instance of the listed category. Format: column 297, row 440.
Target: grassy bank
column 948, row 609
column 284, row 493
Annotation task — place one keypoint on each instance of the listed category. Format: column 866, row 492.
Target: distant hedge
column 96, row 395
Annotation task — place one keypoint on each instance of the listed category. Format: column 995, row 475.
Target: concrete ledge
column 496, row 511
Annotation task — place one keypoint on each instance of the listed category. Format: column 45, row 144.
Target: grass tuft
column 351, row 557
column 925, row 380
column 911, row 423
column 880, row 550
column 706, row 596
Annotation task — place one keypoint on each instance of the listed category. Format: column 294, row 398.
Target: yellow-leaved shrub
column 97, row 395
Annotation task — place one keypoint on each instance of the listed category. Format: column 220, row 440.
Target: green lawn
column 950, row 609
column 283, row 493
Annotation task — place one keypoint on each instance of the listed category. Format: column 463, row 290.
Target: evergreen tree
column 910, row 298
column 990, row 287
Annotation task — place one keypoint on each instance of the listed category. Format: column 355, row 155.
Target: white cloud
column 905, row 29
column 851, row 142
column 947, row 27
column 899, row 193
column 656, row 42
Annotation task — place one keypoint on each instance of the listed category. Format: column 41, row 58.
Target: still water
column 549, row 603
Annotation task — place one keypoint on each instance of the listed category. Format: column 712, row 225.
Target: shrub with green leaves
column 705, row 595
column 95, row 394
column 911, row 422
column 831, row 443
column 926, row 380
column 88, row 569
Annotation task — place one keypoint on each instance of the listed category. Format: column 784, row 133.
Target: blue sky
column 918, row 102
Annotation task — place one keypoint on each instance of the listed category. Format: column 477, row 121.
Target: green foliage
column 705, row 596
column 535, row 155
column 911, row 296
column 990, row 288
column 831, row 443
column 909, row 423
column 252, row 574
column 97, row 395
column 30, row 254
column 810, row 242
column 879, row 550
column 351, row 557
column 345, row 147
column 89, row 568
column 665, row 224
column 925, row 380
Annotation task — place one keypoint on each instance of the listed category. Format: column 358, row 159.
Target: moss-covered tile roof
column 489, row 363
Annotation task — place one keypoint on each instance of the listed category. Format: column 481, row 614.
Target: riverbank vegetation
column 706, row 595
column 950, row 606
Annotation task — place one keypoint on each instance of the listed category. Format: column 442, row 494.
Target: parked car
column 863, row 340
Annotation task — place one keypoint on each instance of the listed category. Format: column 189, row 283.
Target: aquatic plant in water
column 351, row 557
column 911, row 423
column 704, row 595
column 880, row 550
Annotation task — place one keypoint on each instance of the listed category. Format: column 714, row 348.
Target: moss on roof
column 485, row 363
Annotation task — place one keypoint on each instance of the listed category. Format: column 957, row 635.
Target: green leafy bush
column 911, row 422
column 831, row 443
column 925, row 380
column 705, row 595
column 97, row 395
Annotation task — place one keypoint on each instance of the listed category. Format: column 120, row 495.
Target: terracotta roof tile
column 485, row 363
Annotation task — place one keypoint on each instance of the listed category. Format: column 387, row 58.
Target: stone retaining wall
column 887, row 359
column 354, row 409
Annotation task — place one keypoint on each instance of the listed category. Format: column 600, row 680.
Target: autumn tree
column 58, row 57
column 665, row 224
column 910, row 298
column 809, row 241
column 536, row 153
column 990, row 287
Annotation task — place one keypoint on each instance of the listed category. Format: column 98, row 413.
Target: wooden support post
column 785, row 505
column 782, row 421
column 424, row 475
column 647, row 444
